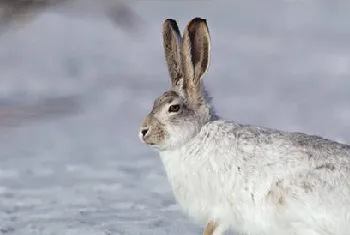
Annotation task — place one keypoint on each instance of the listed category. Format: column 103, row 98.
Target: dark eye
column 174, row 108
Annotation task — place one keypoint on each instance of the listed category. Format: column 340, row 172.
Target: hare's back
column 262, row 142
column 264, row 157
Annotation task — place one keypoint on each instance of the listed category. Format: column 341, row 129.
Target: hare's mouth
column 144, row 140
column 149, row 143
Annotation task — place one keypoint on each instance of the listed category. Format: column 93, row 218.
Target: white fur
column 246, row 179
column 206, row 182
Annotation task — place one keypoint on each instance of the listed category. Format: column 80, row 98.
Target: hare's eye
column 174, row 108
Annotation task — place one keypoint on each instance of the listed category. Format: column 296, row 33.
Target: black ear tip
column 170, row 20
column 198, row 20
column 172, row 23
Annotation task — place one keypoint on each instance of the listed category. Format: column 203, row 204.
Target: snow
column 74, row 91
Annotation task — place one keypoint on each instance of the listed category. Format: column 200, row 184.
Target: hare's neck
column 209, row 104
column 191, row 151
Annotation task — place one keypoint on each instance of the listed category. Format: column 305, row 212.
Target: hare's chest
column 192, row 189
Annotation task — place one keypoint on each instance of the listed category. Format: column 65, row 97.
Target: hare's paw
column 211, row 227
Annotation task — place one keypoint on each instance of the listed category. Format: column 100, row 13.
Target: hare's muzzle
column 152, row 132
column 143, row 136
column 144, row 130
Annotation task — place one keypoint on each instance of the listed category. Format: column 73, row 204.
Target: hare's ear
column 195, row 56
column 172, row 46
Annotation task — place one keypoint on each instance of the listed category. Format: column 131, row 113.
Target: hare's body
column 261, row 181
column 246, row 179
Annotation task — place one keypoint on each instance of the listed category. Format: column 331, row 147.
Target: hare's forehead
column 167, row 98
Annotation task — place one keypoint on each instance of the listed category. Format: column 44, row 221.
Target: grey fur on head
column 187, row 58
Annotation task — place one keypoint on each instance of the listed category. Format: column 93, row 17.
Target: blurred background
column 76, row 81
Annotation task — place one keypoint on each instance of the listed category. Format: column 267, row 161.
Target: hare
column 241, row 178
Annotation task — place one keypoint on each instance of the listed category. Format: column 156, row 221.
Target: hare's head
column 178, row 115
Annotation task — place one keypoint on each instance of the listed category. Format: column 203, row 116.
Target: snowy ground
column 74, row 91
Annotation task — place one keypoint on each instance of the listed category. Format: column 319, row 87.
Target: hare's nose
column 144, row 131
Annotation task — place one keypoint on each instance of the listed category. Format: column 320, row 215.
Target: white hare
column 241, row 178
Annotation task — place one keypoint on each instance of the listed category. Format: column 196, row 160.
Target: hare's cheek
column 180, row 134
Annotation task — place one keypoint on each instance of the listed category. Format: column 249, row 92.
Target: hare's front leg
column 209, row 230
column 214, row 228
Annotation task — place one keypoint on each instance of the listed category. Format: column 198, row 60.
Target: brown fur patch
column 277, row 194
column 209, row 230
